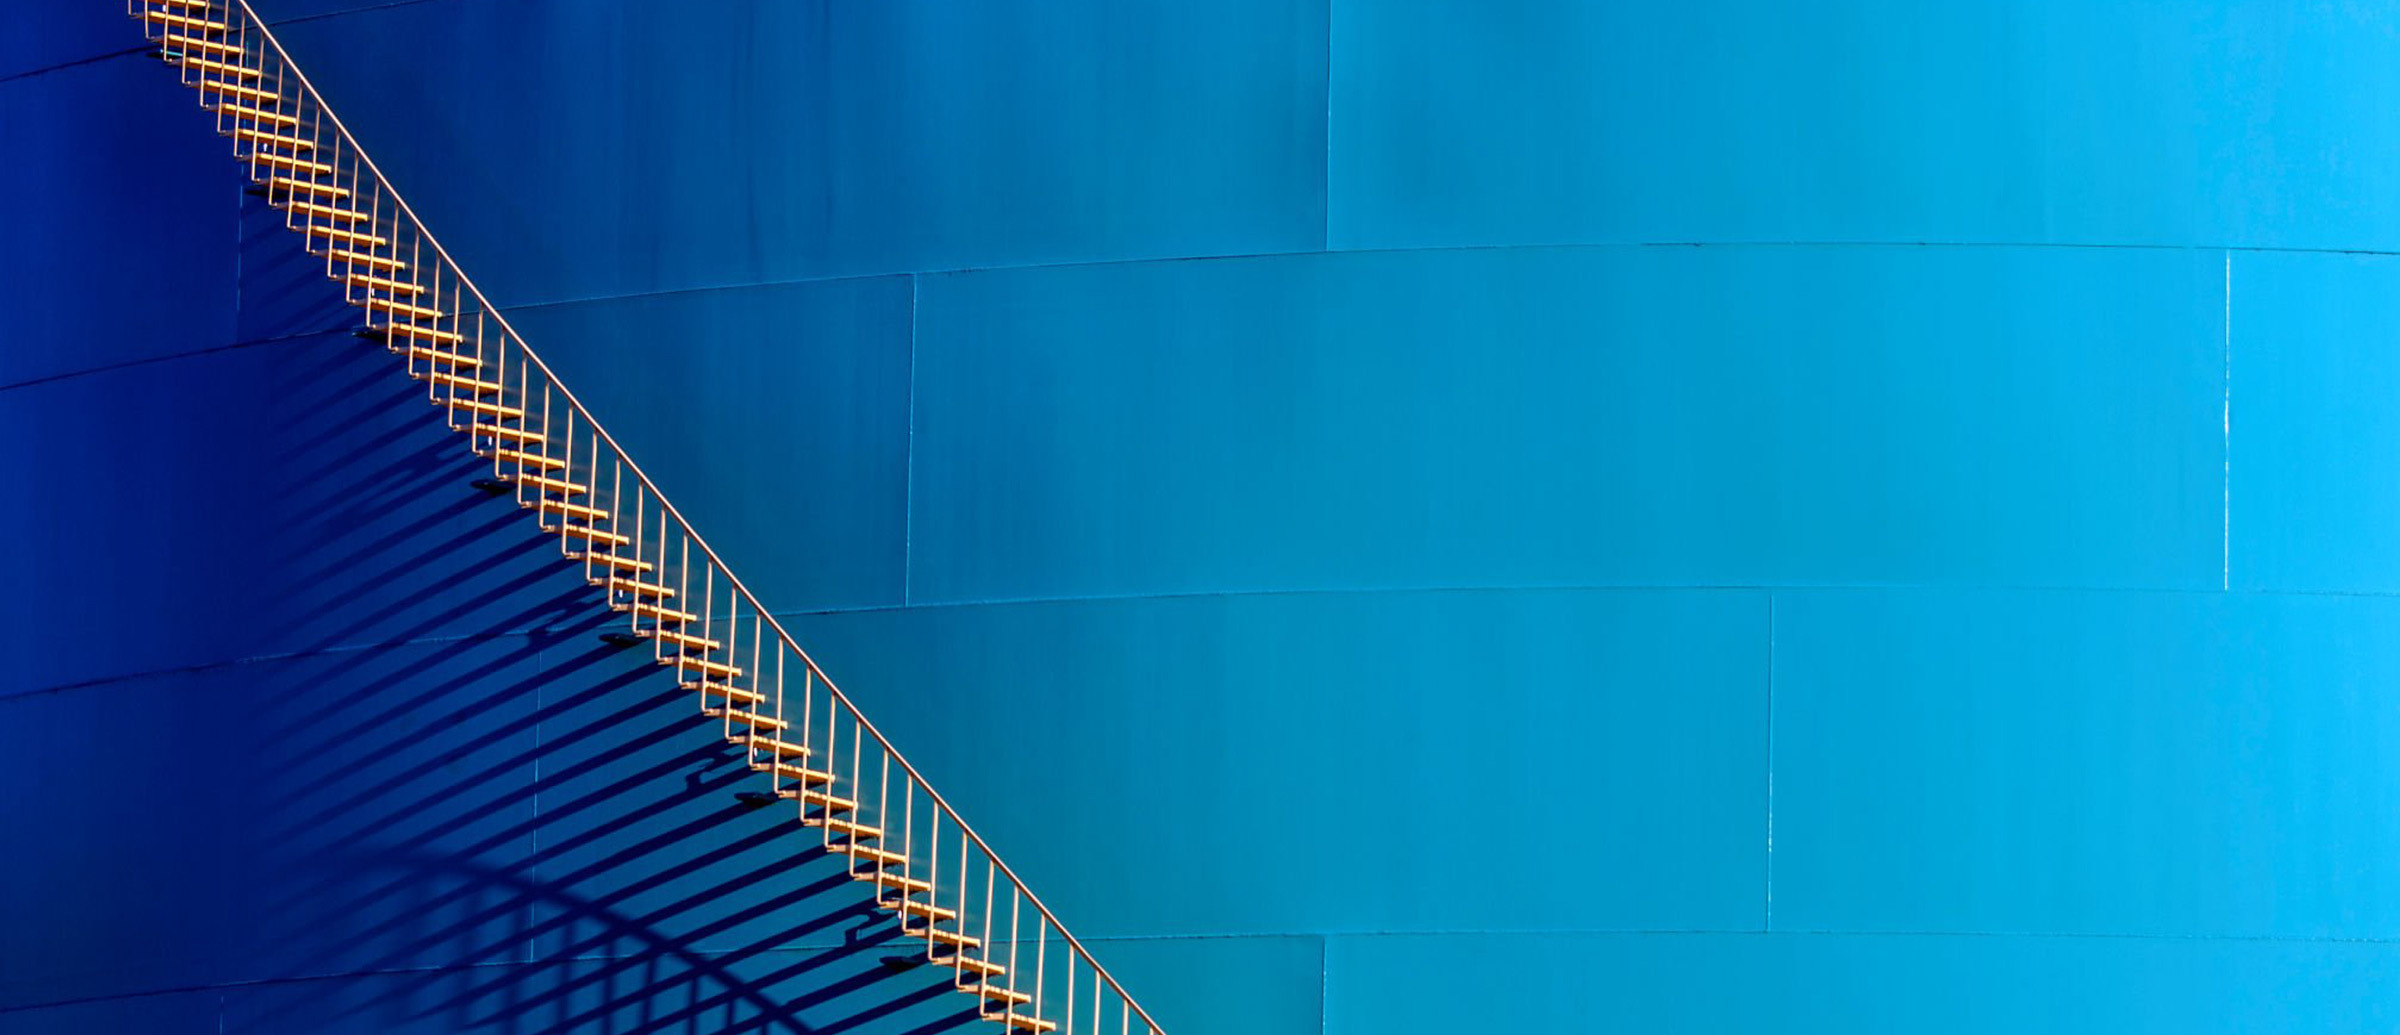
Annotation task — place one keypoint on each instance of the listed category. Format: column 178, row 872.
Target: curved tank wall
column 1443, row 516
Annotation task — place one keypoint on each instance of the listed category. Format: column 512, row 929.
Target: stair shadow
column 463, row 812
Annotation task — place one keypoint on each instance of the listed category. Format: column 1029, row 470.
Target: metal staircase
column 930, row 870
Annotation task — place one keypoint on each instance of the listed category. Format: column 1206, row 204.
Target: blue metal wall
column 1436, row 516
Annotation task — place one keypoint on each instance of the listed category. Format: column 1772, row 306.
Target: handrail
column 715, row 565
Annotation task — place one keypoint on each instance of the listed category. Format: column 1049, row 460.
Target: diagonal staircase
column 922, row 863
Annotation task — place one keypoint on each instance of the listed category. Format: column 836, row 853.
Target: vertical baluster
column 883, row 816
column 908, row 833
column 933, row 876
column 991, row 874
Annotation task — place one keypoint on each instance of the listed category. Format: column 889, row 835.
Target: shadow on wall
column 411, row 788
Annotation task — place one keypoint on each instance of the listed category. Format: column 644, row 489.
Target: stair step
column 857, row 831
column 547, row 483
column 889, row 879
column 778, row 748
column 394, row 305
column 582, row 532
column 757, row 721
column 688, row 641
column 310, row 208
column 234, row 89
column 552, row 506
column 496, row 431
column 963, row 941
column 729, row 692
column 816, row 797
column 961, row 961
column 244, row 111
column 518, row 456
column 176, row 39
column 793, row 772
column 410, row 330
column 912, row 907
column 289, row 162
column 375, row 283
column 267, row 136
column 866, row 852
column 366, row 259
column 179, row 19
column 995, row 992
column 338, row 233
column 617, row 585
column 438, row 356
column 1023, row 1022
column 224, row 68
column 479, row 406
column 463, row 381
column 701, row 665
column 327, row 189
column 613, row 561
column 663, row 612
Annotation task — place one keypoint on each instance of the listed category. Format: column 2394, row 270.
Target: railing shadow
column 461, row 811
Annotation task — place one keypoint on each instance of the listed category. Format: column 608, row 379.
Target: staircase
column 922, row 863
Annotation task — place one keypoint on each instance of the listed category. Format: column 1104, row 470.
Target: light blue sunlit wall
column 1435, row 516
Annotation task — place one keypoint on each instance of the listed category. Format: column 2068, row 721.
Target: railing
column 946, row 885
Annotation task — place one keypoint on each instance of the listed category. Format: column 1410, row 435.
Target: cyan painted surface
column 1837, row 634
column 1644, row 416
column 1467, row 122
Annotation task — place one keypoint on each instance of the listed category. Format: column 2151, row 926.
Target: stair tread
column 321, row 230
column 546, row 483
column 868, row 852
column 271, row 158
column 890, row 879
column 394, row 305
column 855, row 830
column 614, row 561
column 619, row 585
column 268, row 136
column 397, row 287
column 176, row 39
column 964, row 941
column 991, row 991
column 795, row 772
column 912, row 907
column 497, row 431
column 687, row 640
column 1026, row 1022
column 479, row 406
column 811, row 796
column 184, row 19
column 959, row 961
column 583, row 532
column 661, row 611
column 731, row 692
column 463, row 381
column 235, row 89
column 578, row 509
column 226, row 68
column 366, row 259
column 245, row 111
column 327, row 189
column 411, row 330
column 519, row 456
column 756, row 721
column 333, row 211
column 772, row 746
column 700, row 664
